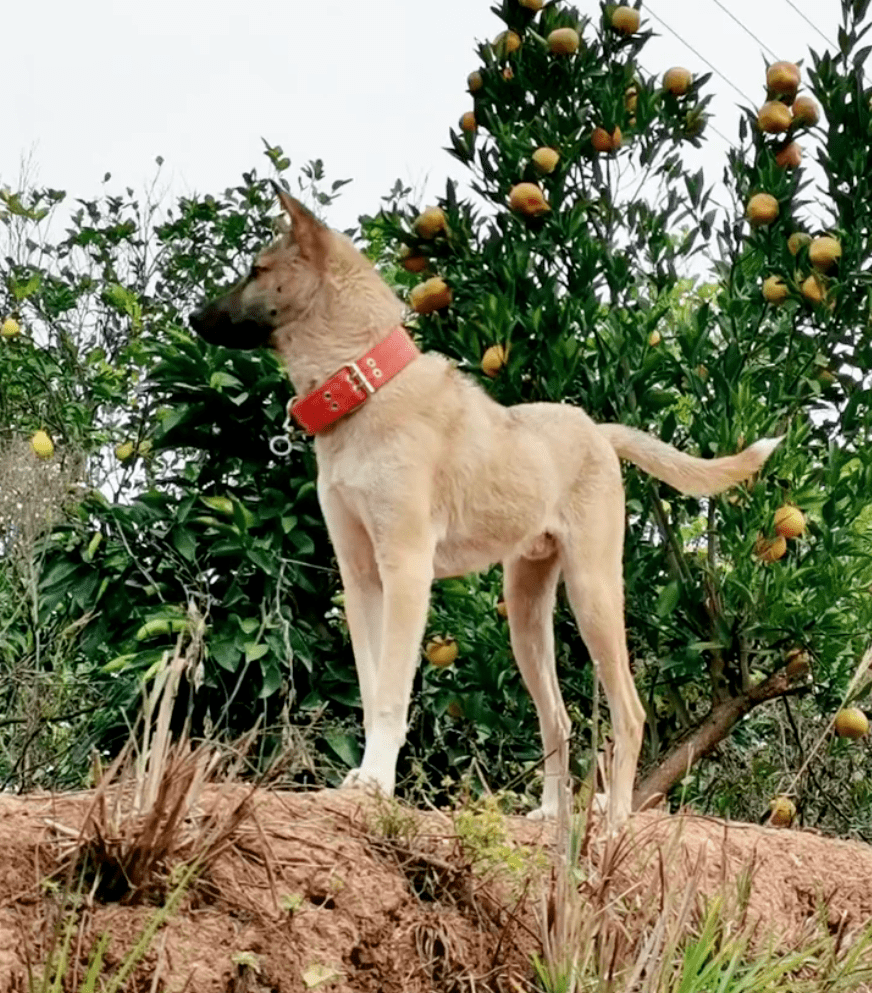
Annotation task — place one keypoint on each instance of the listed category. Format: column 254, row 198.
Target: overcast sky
column 371, row 88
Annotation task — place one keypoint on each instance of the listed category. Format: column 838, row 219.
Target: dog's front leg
column 363, row 596
column 406, row 577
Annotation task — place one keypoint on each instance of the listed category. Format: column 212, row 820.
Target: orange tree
column 564, row 268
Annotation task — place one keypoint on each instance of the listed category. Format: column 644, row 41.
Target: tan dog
column 430, row 477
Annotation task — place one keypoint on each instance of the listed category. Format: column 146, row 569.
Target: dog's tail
column 688, row 474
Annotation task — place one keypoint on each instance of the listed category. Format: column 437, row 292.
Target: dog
column 422, row 475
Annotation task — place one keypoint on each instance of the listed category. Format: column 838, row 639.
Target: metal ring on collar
column 280, row 445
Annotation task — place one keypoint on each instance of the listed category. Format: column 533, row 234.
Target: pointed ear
column 309, row 234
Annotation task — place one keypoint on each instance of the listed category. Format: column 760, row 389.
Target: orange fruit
column 775, row 290
column 654, row 338
column 789, row 157
column 533, row 5
column 774, row 117
column 474, row 81
column 432, row 294
column 563, row 41
column 602, row 141
column 631, row 99
column 507, row 42
column 677, row 80
column 824, row 252
column 789, row 521
column 441, row 652
column 782, row 79
column 813, row 289
column 10, row 328
column 502, row 609
column 852, row 723
column 528, row 199
column 797, row 240
column 494, row 359
column 545, row 159
column 467, row 122
column 762, row 209
column 805, row 112
column 411, row 261
column 770, row 549
column 782, row 811
column 625, row 19
column 430, row 222
column 42, row 445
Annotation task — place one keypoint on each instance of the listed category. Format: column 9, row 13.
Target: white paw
column 542, row 814
column 359, row 779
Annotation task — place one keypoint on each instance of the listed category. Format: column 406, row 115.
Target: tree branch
column 721, row 719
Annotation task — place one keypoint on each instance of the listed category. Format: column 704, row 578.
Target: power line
column 808, row 22
column 747, row 30
column 714, row 69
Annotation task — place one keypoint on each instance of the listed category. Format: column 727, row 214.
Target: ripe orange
column 411, row 261
column 677, row 80
column 782, row 811
column 762, row 209
column 432, row 294
column 602, row 141
column 528, row 199
column 789, row 157
column 507, row 42
column 813, row 289
column 563, row 41
column 770, row 549
column 852, row 723
column 494, row 359
column 625, row 19
column 474, row 81
column 824, row 252
column 654, row 338
column 782, row 79
column 545, row 159
column 467, row 122
column 797, row 240
column 805, row 112
column 430, row 222
column 775, row 290
column 789, row 521
column 774, row 117
column 441, row 652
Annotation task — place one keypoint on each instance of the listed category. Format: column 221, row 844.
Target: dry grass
column 145, row 822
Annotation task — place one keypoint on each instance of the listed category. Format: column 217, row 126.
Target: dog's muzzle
column 218, row 327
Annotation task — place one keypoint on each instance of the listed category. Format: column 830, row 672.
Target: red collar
column 348, row 388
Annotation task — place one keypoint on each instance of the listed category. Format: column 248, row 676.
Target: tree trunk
column 702, row 739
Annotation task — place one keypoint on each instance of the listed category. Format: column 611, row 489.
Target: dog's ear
column 307, row 232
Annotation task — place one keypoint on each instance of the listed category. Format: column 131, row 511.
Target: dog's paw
column 359, row 779
column 542, row 814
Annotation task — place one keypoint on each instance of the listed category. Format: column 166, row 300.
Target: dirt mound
column 332, row 891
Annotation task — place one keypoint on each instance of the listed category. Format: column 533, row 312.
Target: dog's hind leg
column 530, row 588
column 593, row 572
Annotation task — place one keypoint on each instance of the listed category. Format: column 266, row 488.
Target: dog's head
column 280, row 288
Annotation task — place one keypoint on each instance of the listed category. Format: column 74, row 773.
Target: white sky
column 371, row 88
